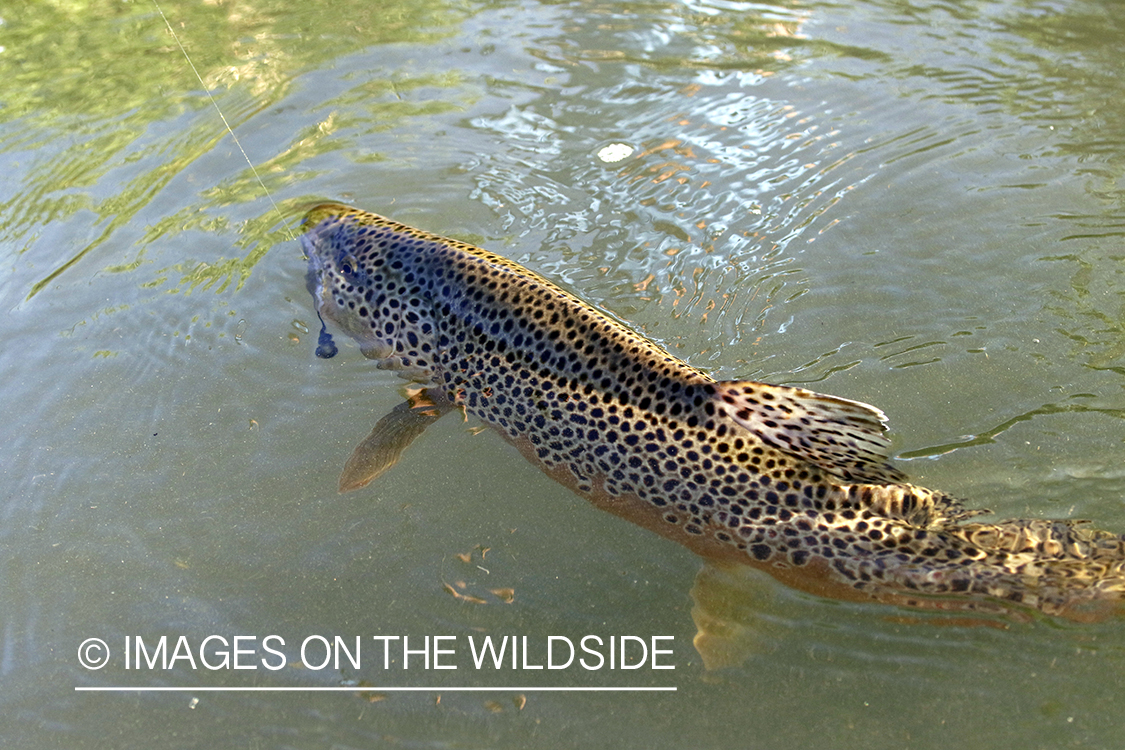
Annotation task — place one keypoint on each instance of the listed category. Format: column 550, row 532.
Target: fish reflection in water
column 745, row 474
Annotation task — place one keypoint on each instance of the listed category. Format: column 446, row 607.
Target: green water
column 918, row 205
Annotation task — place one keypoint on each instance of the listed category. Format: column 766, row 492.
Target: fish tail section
column 1073, row 570
column 1062, row 568
column 1049, row 540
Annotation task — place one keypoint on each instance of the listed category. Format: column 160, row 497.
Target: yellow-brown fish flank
column 781, row 478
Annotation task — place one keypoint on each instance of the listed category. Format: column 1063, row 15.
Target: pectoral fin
column 842, row 437
column 381, row 449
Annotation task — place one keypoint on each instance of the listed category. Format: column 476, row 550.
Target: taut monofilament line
column 222, row 117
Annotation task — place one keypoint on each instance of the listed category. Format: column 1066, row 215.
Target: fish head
column 363, row 281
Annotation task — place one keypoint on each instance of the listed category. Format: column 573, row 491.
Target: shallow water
column 915, row 205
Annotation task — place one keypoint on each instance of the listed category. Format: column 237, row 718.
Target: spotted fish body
column 783, row 479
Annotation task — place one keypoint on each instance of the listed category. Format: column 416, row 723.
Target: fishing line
column 223, row 118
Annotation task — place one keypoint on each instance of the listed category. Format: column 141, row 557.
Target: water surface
column 918, row 205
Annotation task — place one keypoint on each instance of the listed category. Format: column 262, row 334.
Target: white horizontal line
column 368, row 689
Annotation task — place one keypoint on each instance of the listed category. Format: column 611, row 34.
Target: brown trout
column 789, row 481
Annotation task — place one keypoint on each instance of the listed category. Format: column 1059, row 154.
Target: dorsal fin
column 840, row 436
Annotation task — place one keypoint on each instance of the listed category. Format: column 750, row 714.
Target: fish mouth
column 314, row 274
column 314, row 281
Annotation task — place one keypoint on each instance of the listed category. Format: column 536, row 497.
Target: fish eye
column 349, row 268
